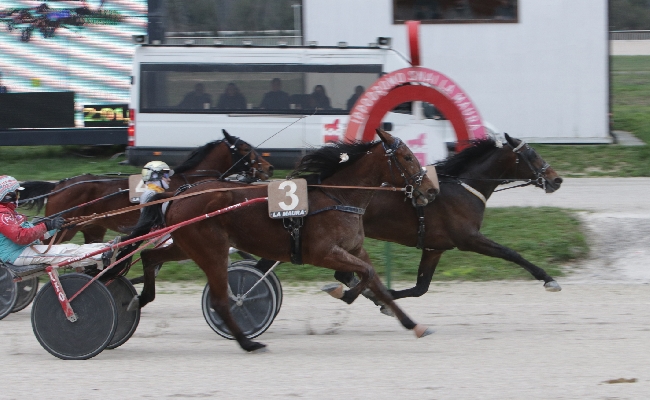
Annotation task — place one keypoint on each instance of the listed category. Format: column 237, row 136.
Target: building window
column 455, row 11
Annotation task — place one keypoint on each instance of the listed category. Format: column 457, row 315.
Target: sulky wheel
column 27, row 289
column 127, row 321
column 8, row 292
column 253, row 313
column 90, row 333
column 277, row 287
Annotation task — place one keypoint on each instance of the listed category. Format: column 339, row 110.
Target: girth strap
column 293, row 225
column 338, row 207
column 420, row 212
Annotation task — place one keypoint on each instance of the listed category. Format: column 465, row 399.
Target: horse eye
column 408, row 158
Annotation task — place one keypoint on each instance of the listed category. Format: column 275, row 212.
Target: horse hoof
column 257, row 348
column 552, row 286
column 422, row 331
column 384, row 309
column 333, row 289
column 134, row 304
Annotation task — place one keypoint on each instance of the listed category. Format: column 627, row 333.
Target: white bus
column 179, row 100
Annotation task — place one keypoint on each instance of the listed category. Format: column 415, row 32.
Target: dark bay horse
column 330, row 238
column 230, row 155
column 454, row 219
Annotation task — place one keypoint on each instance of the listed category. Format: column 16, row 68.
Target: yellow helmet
column 155, row 171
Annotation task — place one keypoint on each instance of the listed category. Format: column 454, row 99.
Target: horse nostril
column 270, row 170
column 558, row 180
column 432, row 192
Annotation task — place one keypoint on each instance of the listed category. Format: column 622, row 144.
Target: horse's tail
column 34, row 194
column 150, row 217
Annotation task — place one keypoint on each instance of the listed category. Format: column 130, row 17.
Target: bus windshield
column 253, row 88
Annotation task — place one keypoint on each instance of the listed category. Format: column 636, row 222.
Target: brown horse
column 454, row 220
column 230, row 156
column 332, row 235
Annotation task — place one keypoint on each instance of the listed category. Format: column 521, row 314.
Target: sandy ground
column 495, row 340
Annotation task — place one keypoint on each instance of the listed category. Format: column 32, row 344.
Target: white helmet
column 155, row 171
column 8, row 185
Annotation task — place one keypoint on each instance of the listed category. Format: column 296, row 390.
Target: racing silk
column 16, row 233
column 152, row 190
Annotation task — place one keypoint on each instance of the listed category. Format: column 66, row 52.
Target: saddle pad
column 136, row 188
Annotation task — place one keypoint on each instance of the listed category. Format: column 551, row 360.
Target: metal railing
column 629, row 35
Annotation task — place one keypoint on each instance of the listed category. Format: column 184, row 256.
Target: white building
column 543, row 78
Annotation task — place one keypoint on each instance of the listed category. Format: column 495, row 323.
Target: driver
column 20, row 240
column 156, row 176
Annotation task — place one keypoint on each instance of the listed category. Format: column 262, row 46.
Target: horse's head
column 538, row 170
column 246, row 160
column 401, row 161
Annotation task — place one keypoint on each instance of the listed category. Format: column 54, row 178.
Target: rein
column 84, row 220
column 88, row 203
column 67, row 187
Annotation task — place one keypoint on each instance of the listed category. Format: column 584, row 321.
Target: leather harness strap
column 338, row 207
column 420, row 212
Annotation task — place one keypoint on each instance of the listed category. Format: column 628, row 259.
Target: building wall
column 544, row 79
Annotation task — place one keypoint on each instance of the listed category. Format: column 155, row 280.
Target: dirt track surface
column 494, row 340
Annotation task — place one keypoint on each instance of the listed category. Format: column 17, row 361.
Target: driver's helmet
column 8, row 185
column 155, row 171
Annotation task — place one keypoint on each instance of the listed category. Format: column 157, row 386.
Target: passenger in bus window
column 232, row 99
column 196, row 98
column 276, row 98
column 318, row 98
column 358, row 91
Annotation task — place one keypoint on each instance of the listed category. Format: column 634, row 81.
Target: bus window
column 258, row 88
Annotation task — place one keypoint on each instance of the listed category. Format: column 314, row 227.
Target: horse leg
column 93, row 234
column 151, row 259
column 361, row 265
column 340, row 260
column 208, row 247
column 382, row 294
column 482, row 245
column 428, row 264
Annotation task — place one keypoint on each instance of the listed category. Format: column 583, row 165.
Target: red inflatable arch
column 414, row 84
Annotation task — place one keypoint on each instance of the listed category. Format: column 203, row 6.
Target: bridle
column 521, row 151
column 245, row 163
column 412, row 182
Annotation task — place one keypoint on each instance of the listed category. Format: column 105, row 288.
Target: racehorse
column 453, row 220
column 332, row 234
column 230, row 155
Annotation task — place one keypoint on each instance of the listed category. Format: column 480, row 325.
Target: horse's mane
column 198, row 155
column 326, row 161
column 457, row 163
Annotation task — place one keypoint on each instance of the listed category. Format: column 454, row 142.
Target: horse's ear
column 510, row 141
column 385, row 137
column 229, row 138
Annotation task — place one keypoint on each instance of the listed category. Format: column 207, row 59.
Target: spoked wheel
column 8, row 292
column 277, row 286
column 253, row 312
column 127, row 321
column 26, row 292
column 90, row 333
